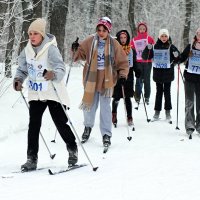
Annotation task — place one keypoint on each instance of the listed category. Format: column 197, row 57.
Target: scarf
column 91, row 74
column 126, row 48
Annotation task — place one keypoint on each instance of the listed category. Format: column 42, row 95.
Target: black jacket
column 162, row 75
column 185, row 57
column 128, row 87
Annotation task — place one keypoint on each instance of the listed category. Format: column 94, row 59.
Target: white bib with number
column 139, row 47
column 101, row 55
column 194, row 62
column 161, row 58
column 36, row 80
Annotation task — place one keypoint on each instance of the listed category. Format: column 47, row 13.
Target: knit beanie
column 163, row 32
column 198, row 32
column 105, row 21
column 142, row 24
column 39, row 26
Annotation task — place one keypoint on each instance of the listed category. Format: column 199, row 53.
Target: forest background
column 68, row 19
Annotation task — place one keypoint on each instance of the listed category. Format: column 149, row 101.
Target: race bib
column 161, row 58
column 194, row 63
column 139, row 47
column 101, row 55
column 36, row 80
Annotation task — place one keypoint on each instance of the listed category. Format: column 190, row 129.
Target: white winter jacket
column 33, row 61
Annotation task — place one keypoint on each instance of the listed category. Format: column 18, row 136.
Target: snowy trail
column 159, row 163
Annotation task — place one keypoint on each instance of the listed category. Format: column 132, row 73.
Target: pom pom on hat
column 39, row 26
column 105, row 21
column 163, row 32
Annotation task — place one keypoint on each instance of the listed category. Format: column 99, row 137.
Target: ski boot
column 114, row 119
column 156, row 115
column 30, row 165
column 106, row 141
column 189, row 131
column 86, row 134
column 73, row 156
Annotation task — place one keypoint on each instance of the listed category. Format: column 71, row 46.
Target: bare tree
column 105, row 8
column 188, row 15
column 11, row 37
column 131, row 16
column 37, row 9
column 3, row 8
column 27, row 9
column 58, row 22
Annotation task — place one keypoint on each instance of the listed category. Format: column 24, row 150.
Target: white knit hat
column 198, row 31
column 163, row 32
column 38, row 25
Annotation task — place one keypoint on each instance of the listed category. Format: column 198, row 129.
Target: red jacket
column 139, row 43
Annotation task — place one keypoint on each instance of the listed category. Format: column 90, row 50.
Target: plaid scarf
column 91, row 74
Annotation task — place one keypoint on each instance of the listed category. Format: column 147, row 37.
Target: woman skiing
column 41, row 53
column 191, row 55
column 123, row 38
column 164, row 56
column 138, row 44
column 105, row 62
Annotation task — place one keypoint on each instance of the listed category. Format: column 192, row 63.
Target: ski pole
column 54, row 140
column 182, row 75
column 94, row 168
column 148, row 120
column 51, row 155
column 129, row 137
column 67, row 80
column 16, row 101
column 70, row 66
column 177, row 128
column 140, row 89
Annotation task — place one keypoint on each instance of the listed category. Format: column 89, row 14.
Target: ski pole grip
column 76, row 41
column 16, row 84
column 44, row 72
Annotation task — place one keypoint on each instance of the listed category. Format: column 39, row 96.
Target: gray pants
column 192, row 90
column 105, row 114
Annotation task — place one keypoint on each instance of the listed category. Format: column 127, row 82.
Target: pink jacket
column 139, row 43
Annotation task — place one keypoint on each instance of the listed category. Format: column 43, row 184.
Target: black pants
column 145, row 79
column 36, row 111
column 128, row 106
column 160, row 89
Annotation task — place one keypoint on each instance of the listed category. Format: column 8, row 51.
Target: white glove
column 149, row 46
column 175, row 53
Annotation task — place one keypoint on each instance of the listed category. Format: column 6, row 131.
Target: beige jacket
column 120, row 66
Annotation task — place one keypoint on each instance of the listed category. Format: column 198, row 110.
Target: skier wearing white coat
column 41, row 53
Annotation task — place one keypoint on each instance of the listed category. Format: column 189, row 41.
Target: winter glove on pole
column 48, row 75
column 149, row 46
column 176, row 54
column 17, row 85
column 122, row 81
column 75, row 45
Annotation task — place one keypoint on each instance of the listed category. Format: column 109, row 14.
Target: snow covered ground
column 159, row 163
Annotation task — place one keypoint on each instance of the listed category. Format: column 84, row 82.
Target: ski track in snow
column 159, row 163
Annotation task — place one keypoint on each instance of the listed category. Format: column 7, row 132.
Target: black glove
column 122, row 81
column 75, row 45
column 137, row 73
column 17, row 85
